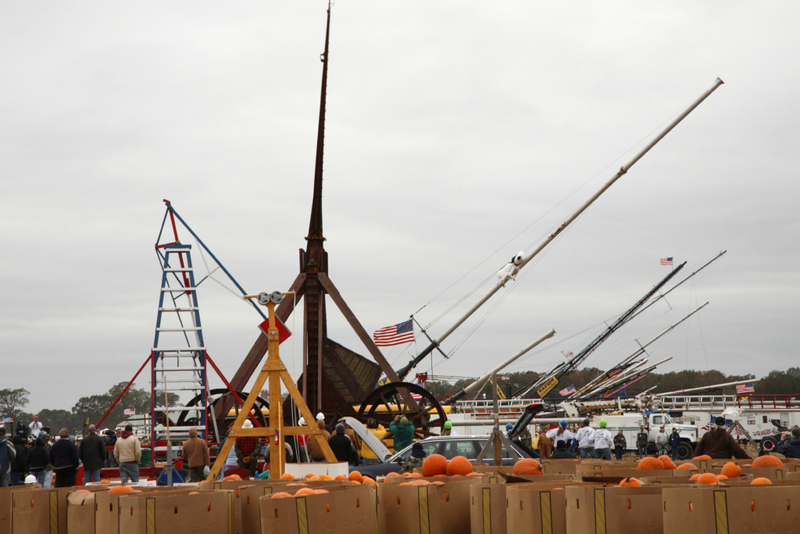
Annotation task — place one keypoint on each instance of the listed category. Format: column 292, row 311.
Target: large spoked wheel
column 385, row 402
column 215, row 401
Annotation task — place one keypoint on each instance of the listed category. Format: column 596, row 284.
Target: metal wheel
column 215, row 396
column 685, row 450
column 768, row 443
column 385, row 403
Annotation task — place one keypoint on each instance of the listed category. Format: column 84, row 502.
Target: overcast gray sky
column 457, row 134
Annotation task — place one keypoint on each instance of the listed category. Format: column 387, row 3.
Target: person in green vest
column 403, row 431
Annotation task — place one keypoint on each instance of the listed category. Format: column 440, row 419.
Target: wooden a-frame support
column 275, row 372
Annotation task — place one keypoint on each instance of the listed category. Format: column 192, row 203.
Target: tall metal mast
column 622, row 170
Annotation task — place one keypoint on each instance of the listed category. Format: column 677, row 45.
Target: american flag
column 567, row 391
column 417, row 396
column 394, row 335
column 568, row 355
column 129, row 411
column 745, row 388
column 666, row 261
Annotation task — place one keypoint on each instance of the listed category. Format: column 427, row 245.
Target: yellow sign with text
column 547, row 387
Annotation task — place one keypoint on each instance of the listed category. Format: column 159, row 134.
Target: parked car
column 449, row 447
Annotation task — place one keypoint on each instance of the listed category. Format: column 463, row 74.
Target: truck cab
column 688, row 433
column 630, row 422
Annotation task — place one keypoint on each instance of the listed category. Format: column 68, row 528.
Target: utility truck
column 631, row 422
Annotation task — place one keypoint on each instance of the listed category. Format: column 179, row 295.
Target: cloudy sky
column 457, row 134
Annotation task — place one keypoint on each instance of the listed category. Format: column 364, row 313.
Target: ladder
column 179, row 352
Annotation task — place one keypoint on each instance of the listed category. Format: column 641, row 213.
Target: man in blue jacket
column 674, row 441
column 791, row 447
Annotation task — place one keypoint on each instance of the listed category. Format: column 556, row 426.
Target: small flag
column 745, row 388
column 417, row 396
column 568, row 355
column 505, row 377
column 129, row 411
column 666, row 261
column 394, row 335
column 567, row 391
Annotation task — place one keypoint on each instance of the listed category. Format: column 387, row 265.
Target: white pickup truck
column 630, row 422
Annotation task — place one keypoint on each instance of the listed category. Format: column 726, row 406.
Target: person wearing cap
column 247, row 450
column 314, row 448
column 195, row 456
column 662, row 442
column 302, row 444
column 367, row 456
column 36, row 427
column 674, row 443
column 342, row 447
column 415, row 459
column 585, row 437
column 620, row 444
column 321, row 417
column 642, row 439
column 791, row 447
column 448, row 429
column 719, row 444
column 403, row 431
column 602, row 441
column 128, row 454
column 559, row 434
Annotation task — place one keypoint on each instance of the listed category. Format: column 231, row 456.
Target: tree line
column 88, row 410
column 776, row 382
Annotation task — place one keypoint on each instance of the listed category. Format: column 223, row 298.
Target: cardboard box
column 318, row 468
column 615, row 510
column 426, row 509
column 43, row 511
column 107, row 506
column 176, row 513
column 619, row 474
column 343, row 510
column 487, row 508
column 559, row 467
column 250, row 509
column 80, row 513
column 538, row 508
column 6, row 505
column 731, row 509
column 484, row 478
column 604, row 465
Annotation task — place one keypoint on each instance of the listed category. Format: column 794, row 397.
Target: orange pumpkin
column 354, row 476
column 667, row 462
column 527, row 466
column 760, row 481
column 325, row 477
column 280, row 495
column 459, row 465
column 731, row 470
column 413, row 475
column 297, row 484
column 121, row 489
column 687, row 465
column 433, row 465
column 694, row 477
column 630, row 482
column 722, row 477
column 232, row 477
column 650, row 463
column 702, row 457
column 367, row 480
column 340, row 477
column 320, row 491
column 304, row 491
column 287, row 476
column 392, row 474
column 767, row 461
column 105, row 481
column 194, row 493
column 473, row 474
column 311, row 479
column 707, row 478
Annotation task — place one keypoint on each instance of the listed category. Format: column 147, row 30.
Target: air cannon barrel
column 482, row 380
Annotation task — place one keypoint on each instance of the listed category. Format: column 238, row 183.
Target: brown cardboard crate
column 619, row 474
column 614, row 510
column 42, row 510
column 484, row 478
column 603, row 465
column 559, row 467
column 682, row 481
column 343, row 510
column 6, row 505
column 208, row 512
column 250, row 509
column 107, row 505
column 538, row 508
column 731, row 509
column 430, row 508
column 80, row 513
column 487, row 508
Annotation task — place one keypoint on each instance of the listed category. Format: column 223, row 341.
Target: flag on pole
column 417, row 396
column 745, row 388
column 666, row 261
column 394, row 335
column 505, row 377
column 567, row 391
column 129, row 411
column 568, row 355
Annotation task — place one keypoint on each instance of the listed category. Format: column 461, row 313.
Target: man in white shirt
column 585, row 437
column 36, row 427
column 602, row 441
column 561, row 434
